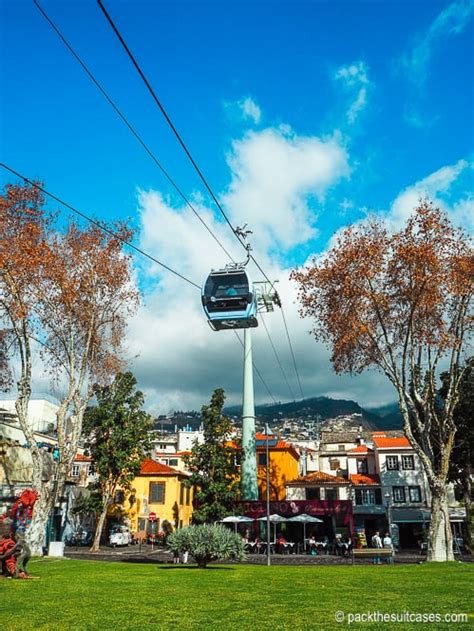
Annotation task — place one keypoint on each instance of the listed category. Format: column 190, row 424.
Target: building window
column 334, row 464
column 156, row 493
column 392, row 463
column 262, row 459
column 188, row 495
column 173, row 462
column 415, row 494
column 90, row 470
column 366, row 497
column 313, row 494
column 362, row 465
column 331, row 494
column 75, row 470
column 181, row 494
column 341, row 448
column 399, row 494
column 408, row 462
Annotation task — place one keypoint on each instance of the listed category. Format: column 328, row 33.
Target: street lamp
column 267, row 467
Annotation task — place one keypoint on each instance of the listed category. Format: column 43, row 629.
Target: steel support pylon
column 248, row 467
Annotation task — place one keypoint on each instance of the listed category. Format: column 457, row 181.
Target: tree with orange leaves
column 67, row 294
column 402, row 302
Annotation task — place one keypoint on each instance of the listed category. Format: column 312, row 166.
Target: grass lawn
column 74, row 595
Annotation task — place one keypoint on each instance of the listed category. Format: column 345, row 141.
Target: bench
column 371, row 553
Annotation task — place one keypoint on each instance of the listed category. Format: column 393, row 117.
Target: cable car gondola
column 229, row 300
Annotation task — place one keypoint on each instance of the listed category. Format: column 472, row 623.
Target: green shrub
column 207, row 543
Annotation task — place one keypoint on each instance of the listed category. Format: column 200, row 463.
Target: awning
column 420, row 516
column 410, row 515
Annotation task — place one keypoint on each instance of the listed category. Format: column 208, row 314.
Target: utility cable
column 127, row 123
column 98, row 224
column 262, row 320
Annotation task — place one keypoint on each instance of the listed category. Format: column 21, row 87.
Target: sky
column 304, row 116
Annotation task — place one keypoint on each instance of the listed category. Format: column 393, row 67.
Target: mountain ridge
column 383, row 417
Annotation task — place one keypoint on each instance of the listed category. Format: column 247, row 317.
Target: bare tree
column 69, row 294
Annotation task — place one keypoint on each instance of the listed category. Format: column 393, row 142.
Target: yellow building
column 283, row 460
column 159, row 489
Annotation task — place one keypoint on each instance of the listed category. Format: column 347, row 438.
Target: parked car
column 120, row 536
column 79, row 538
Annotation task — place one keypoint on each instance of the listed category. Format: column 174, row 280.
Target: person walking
column 377, row 543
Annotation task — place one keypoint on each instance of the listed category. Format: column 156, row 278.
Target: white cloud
column 354, row 78
column 246, row 109
column 437, row 186
column 250, row 110
column 451, row 21
column 275, row 176
column 353, row 74
column 345, row 205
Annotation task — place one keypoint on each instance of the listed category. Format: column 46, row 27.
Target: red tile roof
column 385, row 442
column 360, row 449
column 364, row 479
column 280, row 444
column 320, row 478
column 151, row 466
column 82, row 458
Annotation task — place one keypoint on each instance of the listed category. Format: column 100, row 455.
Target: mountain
column 325, row 407
column 390, row 416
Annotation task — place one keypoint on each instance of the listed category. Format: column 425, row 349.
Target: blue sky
column 303, row 116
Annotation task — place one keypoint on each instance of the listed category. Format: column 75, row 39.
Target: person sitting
column 312, row 545
column 281, row 544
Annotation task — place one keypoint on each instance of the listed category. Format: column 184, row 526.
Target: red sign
column 152, row 516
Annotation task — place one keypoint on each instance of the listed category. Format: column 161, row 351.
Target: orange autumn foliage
column 377, row 293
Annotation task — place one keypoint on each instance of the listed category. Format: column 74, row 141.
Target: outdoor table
column 262, row 548
column 288, row 547
column 251, row 546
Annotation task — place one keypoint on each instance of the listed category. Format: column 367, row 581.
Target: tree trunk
column 440, row 537
column 100, row 524
column 467, row 526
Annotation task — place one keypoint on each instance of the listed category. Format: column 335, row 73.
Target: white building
column 41, row 413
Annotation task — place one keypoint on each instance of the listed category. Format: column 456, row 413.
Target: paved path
column 132, row 554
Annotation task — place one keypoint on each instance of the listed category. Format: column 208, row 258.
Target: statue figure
column 14, row 551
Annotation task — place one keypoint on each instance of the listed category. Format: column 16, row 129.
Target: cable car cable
column 175, row 131
column 116, row 236
column 152, row 155
column 98, row 225
column 127, row 123
column 262, row 319
column 193, row 162
column 292, row 352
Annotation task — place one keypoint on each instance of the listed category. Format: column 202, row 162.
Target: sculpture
column 14, row 551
